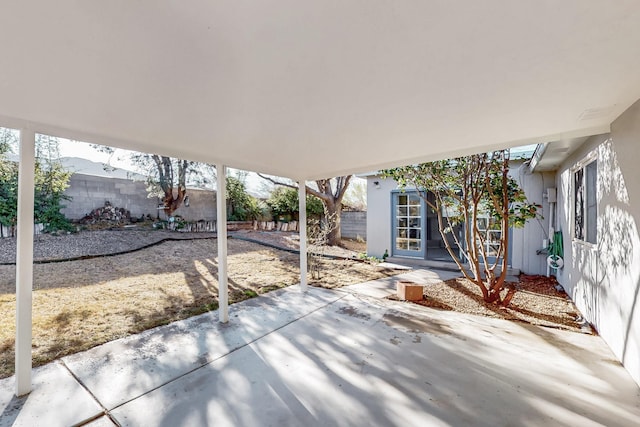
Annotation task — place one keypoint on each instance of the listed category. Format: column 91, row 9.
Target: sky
column 256, row 186
column 121, row 159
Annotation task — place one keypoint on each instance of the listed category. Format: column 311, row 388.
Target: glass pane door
column 408, row 239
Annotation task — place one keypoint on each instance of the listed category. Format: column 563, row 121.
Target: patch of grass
column 250, row 293
column 269, row 288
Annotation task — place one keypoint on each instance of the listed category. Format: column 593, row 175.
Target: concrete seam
column 93, row 396
column 229, row 353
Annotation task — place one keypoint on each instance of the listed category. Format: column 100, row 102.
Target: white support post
column 221, row 227
column 302, row 225
column 24, row 261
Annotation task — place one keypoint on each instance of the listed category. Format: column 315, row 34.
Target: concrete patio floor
column 346, row 358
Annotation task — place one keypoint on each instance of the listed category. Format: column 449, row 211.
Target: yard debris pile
column 107, row 214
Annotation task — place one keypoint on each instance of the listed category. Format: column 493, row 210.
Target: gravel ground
column 289, row 240
column 536, row 302
column 91, row 243
column 50, row 247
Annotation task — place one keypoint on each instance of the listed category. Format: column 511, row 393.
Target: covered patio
column 339, row 358
column 308, row 90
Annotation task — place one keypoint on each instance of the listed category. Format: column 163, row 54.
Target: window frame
column 582, row 166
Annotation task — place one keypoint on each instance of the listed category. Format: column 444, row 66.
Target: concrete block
column 409, row 291
column 57, row 399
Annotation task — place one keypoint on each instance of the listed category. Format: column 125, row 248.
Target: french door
column 408, row 224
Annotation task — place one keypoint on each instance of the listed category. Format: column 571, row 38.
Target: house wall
column 89, row 192
column 379, row 215
column 526, row 241
column 604, row 279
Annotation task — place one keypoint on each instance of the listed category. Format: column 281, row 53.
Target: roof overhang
column 309, row 89
column 550, row 155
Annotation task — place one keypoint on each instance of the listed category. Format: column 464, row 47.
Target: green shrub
column 283, row 202
column 51, row 180
column 242, row 205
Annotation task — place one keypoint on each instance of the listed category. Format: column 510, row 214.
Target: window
column 491, row 230
column 585, row 209
column 408, row 222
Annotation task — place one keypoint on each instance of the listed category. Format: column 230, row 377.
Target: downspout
column 550, row 242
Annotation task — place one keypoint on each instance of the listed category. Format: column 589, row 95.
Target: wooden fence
column 210, row 226
column 6, row 231
column 192, row 227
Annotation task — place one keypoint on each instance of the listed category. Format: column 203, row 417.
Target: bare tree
column 331, row 191
column 318, row 235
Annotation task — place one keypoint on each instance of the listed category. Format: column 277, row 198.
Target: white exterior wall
column 526, row 241
column 604, row 279
column 379, row 215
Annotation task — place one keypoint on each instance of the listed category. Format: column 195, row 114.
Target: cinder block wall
column 202, row 205
column 353, row 225
column 90, row 192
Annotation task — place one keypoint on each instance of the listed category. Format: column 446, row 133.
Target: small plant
column 178, row 222
column 318, row 231
column 370, row 259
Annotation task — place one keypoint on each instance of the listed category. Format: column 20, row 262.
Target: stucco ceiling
column 310, row 89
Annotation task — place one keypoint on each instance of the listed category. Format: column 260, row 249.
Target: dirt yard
column 80, row 304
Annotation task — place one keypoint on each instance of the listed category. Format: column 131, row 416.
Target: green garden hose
column 556, row 252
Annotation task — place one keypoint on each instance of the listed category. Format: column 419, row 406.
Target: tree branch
column 273, row 181
column 318, row 194
column 344, row 180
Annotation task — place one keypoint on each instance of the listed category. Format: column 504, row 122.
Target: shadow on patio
column 332, row 358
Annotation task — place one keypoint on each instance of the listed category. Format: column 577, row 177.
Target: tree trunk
column 166, row 182
column 510, row 293
column 171, row 204
column 334, row 211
